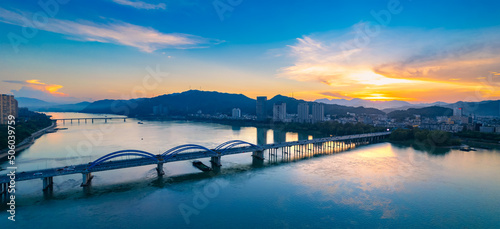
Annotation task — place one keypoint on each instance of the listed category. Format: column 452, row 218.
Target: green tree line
column 431, row 137
column 27, row 123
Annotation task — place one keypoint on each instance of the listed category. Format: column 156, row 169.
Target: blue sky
column 89, row 50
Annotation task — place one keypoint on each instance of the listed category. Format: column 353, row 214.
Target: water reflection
column 279, row 136
column 364, row 178
column 381, row 185
column 236, row 130
column 262, row 136
column 426, row 148
column 303, row 136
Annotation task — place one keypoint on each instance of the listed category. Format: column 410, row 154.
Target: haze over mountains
column 208, row 102
column 41, row 105
column 378, row 104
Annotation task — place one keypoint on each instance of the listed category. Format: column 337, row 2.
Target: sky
column 411, row 50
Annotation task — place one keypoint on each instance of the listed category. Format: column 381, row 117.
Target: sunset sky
column 412, row 50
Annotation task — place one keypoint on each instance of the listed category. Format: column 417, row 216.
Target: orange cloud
column 50, row 88
column 400, row 64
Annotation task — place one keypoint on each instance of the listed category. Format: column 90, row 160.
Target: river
column 371, row 186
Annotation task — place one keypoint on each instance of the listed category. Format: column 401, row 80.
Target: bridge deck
column 134, row 162
column 100, row 118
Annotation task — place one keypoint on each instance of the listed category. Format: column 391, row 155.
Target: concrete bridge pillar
column 48, row 183
column 159, row 169
column 92, row 120
column 86, row 179
column 258, row 154
column 216, row 161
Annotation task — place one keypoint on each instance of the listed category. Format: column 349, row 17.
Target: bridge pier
column 86, row 179
column 259, row 154
column 258, row 158
column 159, row 169
column 48, row 183
column 92, row 120
column 105, row 120
column 216, row 161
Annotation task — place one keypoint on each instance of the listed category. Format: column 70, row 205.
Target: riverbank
column 480, row 144
column 29, row 141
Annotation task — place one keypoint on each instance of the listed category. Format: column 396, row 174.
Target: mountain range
column 207, row 102
column 212, row 102
column 41, row 105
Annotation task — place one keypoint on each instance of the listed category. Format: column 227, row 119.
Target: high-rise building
column 303, row 112
column 279, row 112
column 8, row 106
column 236, row 113
column 318, row 112
column 160, row 110
column 458, row 112
column 261, row 108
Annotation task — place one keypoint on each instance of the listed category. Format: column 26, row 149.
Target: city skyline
column 374, row 51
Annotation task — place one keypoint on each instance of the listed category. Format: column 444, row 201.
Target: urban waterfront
column 379, row 185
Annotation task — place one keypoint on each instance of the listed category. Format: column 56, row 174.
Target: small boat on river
column 201, row 166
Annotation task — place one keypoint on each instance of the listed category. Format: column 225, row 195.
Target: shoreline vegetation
column 436, row 138
column 29, row 126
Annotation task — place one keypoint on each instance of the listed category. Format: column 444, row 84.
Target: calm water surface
column 380, row 185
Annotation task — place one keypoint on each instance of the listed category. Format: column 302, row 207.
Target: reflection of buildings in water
column 262, row 136
column 236, row 130
column 279, row 136
column 303, row 137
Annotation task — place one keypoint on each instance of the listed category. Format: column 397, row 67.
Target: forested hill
column 208, row 102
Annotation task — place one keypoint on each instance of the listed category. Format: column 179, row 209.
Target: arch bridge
column 133, row 158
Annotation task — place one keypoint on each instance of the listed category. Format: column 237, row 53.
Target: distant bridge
column 85, row 119
column 178, row 153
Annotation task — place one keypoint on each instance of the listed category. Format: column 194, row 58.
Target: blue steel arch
column 121, row 153
column 230, row 144
column 178, row 149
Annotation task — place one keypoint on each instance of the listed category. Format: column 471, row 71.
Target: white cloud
column 141, row 5
column 400, row 63
column 394, row 55
column 115, row 32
